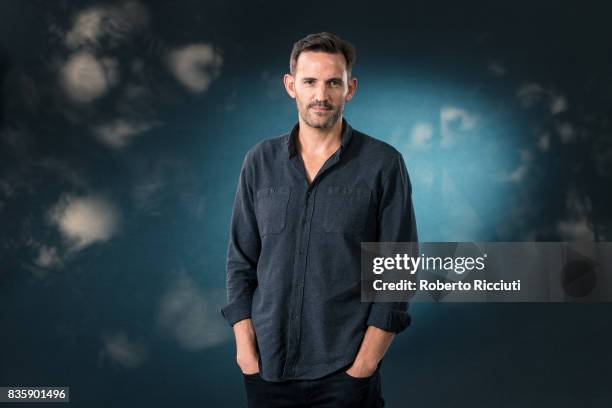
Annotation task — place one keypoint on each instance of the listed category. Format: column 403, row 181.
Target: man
column 305, row 201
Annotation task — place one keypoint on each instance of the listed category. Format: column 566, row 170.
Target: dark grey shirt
column 293, row 261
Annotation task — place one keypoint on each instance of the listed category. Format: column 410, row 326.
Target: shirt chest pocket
column 271, row 209
column 342, row 209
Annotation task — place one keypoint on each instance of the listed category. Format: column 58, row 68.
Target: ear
column 352, row 87
column 289, row 82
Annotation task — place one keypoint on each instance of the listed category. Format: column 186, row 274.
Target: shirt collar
column 346, row 135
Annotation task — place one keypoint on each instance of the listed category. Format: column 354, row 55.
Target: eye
column 308, row 81
column 335, row 82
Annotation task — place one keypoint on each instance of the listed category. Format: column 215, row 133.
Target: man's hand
column 248, row 364
column 246, row 350
column 361, row 369
column 373, row 347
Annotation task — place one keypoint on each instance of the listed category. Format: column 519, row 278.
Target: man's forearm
column 246, row 346
column 245, row 336
column 373, row 347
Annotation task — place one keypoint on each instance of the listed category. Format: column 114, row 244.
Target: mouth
column 317, row 109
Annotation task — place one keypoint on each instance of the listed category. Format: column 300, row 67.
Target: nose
column 321, row 92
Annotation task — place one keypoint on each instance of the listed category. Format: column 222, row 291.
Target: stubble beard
column 313, row 120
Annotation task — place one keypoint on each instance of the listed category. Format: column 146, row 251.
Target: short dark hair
column 324, row 42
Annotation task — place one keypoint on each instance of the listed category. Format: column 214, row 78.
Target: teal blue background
column 131, row 319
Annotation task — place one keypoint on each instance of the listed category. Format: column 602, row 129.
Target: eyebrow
column 329, row 80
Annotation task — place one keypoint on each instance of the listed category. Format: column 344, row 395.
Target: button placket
column 296, row 305
column 301, row 266
column 299, row 282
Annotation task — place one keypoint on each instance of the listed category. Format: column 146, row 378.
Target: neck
column 319, row 141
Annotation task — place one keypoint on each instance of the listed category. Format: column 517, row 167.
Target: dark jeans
column 337, row 390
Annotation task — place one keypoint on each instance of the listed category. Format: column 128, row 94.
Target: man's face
column 320, row 87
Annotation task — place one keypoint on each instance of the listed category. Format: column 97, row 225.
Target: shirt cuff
column 388, row 319
column 237, row 310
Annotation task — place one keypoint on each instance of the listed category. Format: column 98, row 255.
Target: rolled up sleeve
column 396, row 224
column 243, row 250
